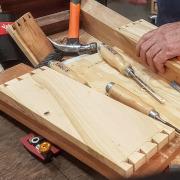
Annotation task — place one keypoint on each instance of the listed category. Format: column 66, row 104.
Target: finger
column 151, row 53
column 159, row 62
column 142, row 40
column 145, row 47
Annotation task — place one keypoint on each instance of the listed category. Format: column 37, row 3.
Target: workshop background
column 133, row 12
column 17, row 162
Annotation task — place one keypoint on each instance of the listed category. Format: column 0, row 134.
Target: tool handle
column 61, row 68
column 74, row 21
column 113, row 58
column 124, row 96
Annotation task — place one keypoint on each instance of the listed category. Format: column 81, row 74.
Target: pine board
column 98, row 74
column 132, row 32
column 76, row 112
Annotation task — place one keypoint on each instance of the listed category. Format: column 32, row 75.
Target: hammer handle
column 124, row 96
column 61, row 68
column 113, row 58
column 74, row 21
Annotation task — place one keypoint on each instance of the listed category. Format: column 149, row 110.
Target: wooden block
column 16, row 37
column 132, row 32
column 31, row 39
column 161, row 139
column 137, row 159
column 171, row 133
column 149, row 149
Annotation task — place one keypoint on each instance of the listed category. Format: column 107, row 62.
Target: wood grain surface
column 157, row 164
column 98, row 74
column 77, row 123
column 17, row 163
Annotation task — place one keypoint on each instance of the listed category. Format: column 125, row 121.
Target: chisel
column 114, row 59
column 124, row 96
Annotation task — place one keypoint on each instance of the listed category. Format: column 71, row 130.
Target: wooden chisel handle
column 113, row 58
column 124, row 96
column 61, row 68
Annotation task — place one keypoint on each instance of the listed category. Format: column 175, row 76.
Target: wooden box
column 101, row 24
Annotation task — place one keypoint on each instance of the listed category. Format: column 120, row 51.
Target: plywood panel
column 77, row 113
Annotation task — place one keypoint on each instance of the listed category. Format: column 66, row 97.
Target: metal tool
column 113, row 58
column 124, row 96
column 73, row 45
column 175, row 85
column 40, row 147
column 52, row 61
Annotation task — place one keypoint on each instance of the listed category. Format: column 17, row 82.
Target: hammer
column 73, row 46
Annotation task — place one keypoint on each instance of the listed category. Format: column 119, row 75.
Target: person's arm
column 160, row 45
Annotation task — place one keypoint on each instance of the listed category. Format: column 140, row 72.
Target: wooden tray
column 98, row 27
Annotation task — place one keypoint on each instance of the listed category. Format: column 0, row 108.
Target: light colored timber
column 78, row 111
column 103, row 23
column 14, row 34
column 98, row 73
column 113, row 29
column 133, row 31
column 26, row 33
column 158, row 163
column 32, row 36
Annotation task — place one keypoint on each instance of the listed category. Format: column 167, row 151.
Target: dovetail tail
column 129, row 162
column 31, row 73
column 24, row 19
column 164, row 132
column 5, row 85
column 140, row 151
column 18, row 24
column 42, row 69
column 153, row 141
column 46, row 113
column 19, row 79
column 14, row 28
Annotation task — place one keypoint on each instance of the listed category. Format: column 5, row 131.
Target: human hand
column 160, row 45
column 140, row 2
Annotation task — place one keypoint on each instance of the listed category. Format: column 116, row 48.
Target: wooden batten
column 54, row 23
column 101, row 25
column 133, row 31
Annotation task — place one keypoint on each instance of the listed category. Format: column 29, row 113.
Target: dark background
column 36, row 7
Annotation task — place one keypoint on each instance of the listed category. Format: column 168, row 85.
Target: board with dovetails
column 93, row 122
column 133, row 31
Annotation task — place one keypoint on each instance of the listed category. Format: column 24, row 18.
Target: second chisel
column 124, row 96
column 114, row 59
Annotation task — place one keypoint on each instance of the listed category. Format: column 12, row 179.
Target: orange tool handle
column 75, row 6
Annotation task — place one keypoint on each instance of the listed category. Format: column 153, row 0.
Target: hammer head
column 75, row 47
